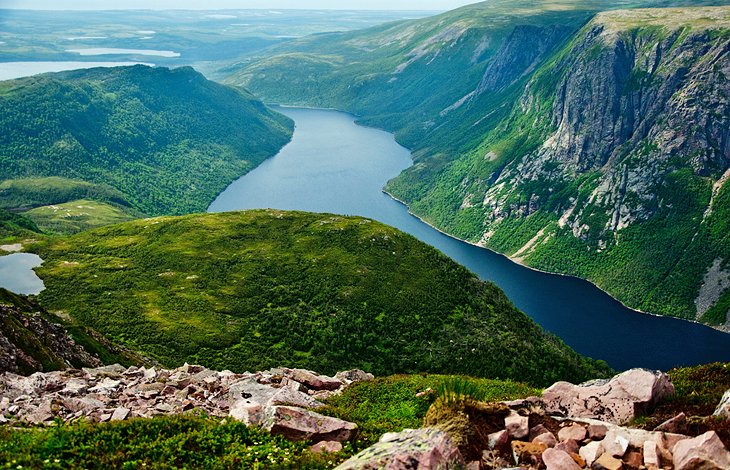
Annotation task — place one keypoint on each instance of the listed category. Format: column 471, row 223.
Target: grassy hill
column 570, row 135
column 258, row 289
column 150, row 140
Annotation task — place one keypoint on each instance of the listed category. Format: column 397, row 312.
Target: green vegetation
column 258, row 289
column 14, row 226
column 382, row 405
column 490, row 120
column 157, row 140
column 79, row 215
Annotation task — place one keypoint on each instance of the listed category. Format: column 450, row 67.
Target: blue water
column 17, row 275
column 333, row 165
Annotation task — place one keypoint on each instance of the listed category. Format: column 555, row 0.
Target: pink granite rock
column 575, row 432
column 517, row 426
column 558, row 460
column 298, row 424
column 616, row 400
column 703, row 452
column 326, row 447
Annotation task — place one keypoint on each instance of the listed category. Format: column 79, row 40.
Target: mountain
column 575, row 140
column 139, row 139
column 33, row 341
column 258, row 289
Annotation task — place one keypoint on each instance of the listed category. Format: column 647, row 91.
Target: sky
column 235, row 4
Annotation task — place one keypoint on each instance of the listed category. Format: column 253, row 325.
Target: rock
column 326, row 447
column 703, row 452
column 651, row 454
column 637, row 437
column 289, row 396
column 677, row 425
column 120, row 414
column 517, row 426
column 523, row 452
column 575, row 432
column 354, row 375
column 591, row 451
column 546, row 438
column 615, row 401
column 106, row 386
column 615, row 443
column 537, row 430
column 597, row 431
column 633, row 460
column 607, row 462
column 312, row 380
column 498, row 440
column 570, row 446
column 425, row 449
column 113, row 371
column 298, row 424
column 723, row 408
column 558, row 460
column 247, row 412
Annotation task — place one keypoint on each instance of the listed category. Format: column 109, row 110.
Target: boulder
column 616, row 400
column 570, row 446
column 558, row 460
column 634, row 460
column 703, row 452
column 591, row 451
column 120, row 414
column 354, row 375
column 597, row 431
column 425, row 449
column 723, row 409
column 312, row 380
column 298, row 424
column 517, row 426
column 527, row 452
column 327, row 447
column 546, row 438
column 677, row 425
column 575, row 432
column 498, row 440
column 615, row 443
column 607, row 462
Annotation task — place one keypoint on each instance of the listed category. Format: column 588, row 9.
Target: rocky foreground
column 569, row 427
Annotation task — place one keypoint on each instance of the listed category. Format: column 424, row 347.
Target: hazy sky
column 233, row 4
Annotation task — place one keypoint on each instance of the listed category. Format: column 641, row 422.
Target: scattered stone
column 354, row 375
column 517, row 426
column 723, row 409
column 607, row 462
column 537, row 430
column 633, row 460
column 591, row 451
column 558, row 460
column 298, row 424
column 120, row 414
column 313, row 380
column 616, row 400
column 498, row 440
column 424, row 393
column 615, row 443
column 546, row 438
column 597, row 431
column 678, row 425
column 575, row 432
column 651, row 454
column 326, row 447
column 570, row 446
column 426, row 448
column 703, row 452
column 523, row 452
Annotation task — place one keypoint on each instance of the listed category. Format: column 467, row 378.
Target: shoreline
column 511, row 259
column 635, row 310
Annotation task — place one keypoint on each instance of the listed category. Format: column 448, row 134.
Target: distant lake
column 333, row 165
column 10, row 70
column 117, row 51
column 17, row 275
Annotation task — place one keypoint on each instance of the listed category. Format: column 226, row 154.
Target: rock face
column 703, row 452
column 723, row 409
column 615, row 401
column 31, row 343
column 112, row 393
column 424, row 449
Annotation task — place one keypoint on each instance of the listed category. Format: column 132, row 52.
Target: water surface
column 118, row 51
column 17, row 275
column 10, row 70
column 333, row 165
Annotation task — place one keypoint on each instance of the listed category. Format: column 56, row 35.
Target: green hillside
column 570, row 136
column 155, row 140
column 259, row 289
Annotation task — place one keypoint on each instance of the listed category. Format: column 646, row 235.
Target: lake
column 118, row 51
column 10, row 70
column 17, row 275
column 333, row 165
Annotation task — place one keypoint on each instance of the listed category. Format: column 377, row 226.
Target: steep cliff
column 612, row 164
